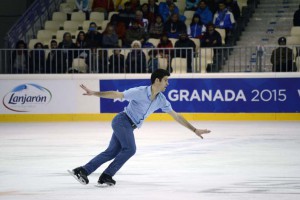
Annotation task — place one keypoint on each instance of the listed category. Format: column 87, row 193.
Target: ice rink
column 236, row 161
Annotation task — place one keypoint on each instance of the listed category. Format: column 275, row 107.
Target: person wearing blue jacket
column 223, row 18
column 196, row 28
column 204, row 12
column 166, row 9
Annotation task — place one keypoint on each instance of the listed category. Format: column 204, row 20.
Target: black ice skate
column 106, row 179
column 80, row 175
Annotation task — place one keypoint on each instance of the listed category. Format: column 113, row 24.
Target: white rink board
column 67, row 96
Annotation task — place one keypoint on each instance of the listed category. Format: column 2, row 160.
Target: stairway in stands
column 271, row 20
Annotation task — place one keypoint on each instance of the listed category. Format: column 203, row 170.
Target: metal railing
column 146, row 60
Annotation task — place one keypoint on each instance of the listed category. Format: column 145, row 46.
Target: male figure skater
column 143, row 101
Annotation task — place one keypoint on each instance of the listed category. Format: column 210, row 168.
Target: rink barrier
column 153, row 117
column 68, row 103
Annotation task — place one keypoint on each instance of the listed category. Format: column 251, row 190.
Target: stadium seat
column 59, row 17
column 173, row 40
column 189, row 14
column 179, row 65
column 78, row 16
column 298, row 63
column 181, row 6
column 45, row 35
column 67, row 7
column 163, row 63
column 86, row 25
column 197, row 43
column 32, row 42
column 293, row 40
column 52, row 26
column 96, row 16
column 143, row 1
column 188, row 22
column 222, row 33
column 103, row 25
column 60, row 34
column 295, row 31
column 111, row 14
column 71, row 26
column 207, row 54
column 154, row 41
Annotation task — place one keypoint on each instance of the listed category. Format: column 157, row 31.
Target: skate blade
column 80, row 180
column 104, row 185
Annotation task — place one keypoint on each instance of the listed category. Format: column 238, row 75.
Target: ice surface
column 238, row 160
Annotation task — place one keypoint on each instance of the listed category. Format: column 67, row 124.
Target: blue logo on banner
column 250, row 95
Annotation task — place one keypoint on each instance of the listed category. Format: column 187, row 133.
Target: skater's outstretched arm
column 108, row 94
column 180, row 119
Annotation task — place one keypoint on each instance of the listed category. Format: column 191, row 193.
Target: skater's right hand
column 88, row 91
column 199, row 132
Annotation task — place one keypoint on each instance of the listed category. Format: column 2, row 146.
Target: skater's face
column 163, row 84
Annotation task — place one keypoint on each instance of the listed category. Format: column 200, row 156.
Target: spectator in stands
column 156, row 28
column 119, row 26
column 152, row 64
column 67, row 53
column 81, row 43
column 146, row 13
column 117, row 62
column 136, row 59
column 185, row 42
column 105, row 6
column 196, row 28
column 282, row 58
column 153, row 10
column 174, row 26
column 121, row 4
column 127, row 14
column 81, row 40
column 296, row 19
column 204, row 12
column 19, row 58
column 165, row 53
column 212, row 38
column 135, row 32
column 52, row 59
column 93, row 37
column 102, row 66
column 109, row 38
column 232, row 6
column 224, row 19
column 143, row 22
column 82, row 5
column 191, row 4
column 165, row 43
column 37, row 59
column 164, row 9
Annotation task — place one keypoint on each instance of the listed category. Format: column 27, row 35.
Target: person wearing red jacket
column 103, row 6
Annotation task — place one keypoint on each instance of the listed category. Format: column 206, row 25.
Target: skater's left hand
column 199, row 132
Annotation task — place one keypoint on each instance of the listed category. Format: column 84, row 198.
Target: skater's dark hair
column 159, row 73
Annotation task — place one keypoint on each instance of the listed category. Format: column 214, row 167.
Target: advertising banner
column 219, row 95
column 37, row 96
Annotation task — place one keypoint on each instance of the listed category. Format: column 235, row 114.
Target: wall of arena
column 245, row 96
